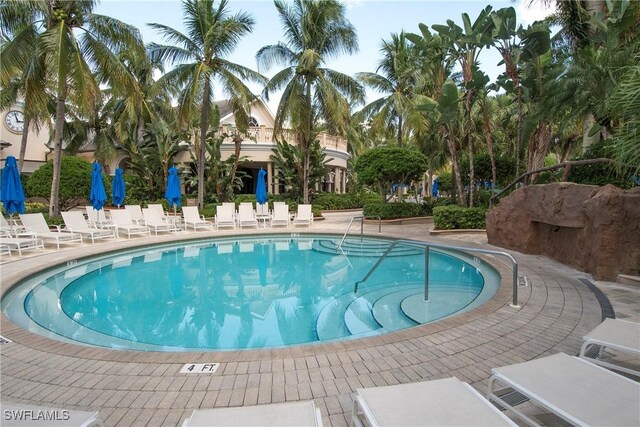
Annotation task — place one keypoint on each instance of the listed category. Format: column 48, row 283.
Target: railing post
column 426, row 273
column 514, row 267
column 361, row 227
column 379, row 225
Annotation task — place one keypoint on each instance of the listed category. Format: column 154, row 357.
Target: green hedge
column 393, row 210
column 334, row 201
column 455, row 217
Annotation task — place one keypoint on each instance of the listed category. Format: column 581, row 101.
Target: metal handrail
column 361, row 218
column 427, row 246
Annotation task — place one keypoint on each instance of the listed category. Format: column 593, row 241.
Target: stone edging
column 458, row 231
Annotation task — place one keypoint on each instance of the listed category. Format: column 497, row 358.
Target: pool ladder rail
column 427, row 247
column 361, row 218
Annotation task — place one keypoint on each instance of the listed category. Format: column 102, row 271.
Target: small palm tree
column 315, row 30
column 67, row 36
column 212, row 34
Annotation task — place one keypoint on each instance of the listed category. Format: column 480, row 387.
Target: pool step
column 388, row 313
column 359, row 315
column 354, row 247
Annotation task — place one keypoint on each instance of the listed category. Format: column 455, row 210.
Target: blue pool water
column 267, row 291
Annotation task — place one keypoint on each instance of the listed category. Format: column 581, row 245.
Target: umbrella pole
column 175, row 218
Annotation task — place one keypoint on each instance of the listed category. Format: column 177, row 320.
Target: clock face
column 14, row 120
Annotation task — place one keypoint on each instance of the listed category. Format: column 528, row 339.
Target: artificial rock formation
column 594, row 229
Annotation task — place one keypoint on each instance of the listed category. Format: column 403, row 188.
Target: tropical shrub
column 75, row 182
column 454, row 217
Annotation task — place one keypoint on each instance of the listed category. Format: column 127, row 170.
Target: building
column 257, row 146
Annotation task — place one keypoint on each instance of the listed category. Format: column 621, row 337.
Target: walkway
column 139, row 389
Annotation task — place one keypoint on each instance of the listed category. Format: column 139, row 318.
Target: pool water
column 241, row 293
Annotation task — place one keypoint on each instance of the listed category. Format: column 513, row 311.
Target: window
column 253, row 122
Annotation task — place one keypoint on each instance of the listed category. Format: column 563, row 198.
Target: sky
column 374, row 21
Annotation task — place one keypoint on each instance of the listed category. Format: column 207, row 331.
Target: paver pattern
column 146, row 389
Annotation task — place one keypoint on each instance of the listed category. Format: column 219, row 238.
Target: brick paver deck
column 140, row 388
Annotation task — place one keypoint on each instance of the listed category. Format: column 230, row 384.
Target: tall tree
column 395, row 78
column 466, row 45
column 315, row 31
column 68, row 36
column 212, row 34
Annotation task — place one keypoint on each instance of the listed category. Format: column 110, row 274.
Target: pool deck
column 146, row 389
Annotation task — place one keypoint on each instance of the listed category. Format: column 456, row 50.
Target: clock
column 14, row 121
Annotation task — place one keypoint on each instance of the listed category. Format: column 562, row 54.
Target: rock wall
column 594, row 229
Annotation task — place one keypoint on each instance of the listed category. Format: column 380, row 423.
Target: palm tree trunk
column 23, row 143
column 237, row 145
column 399, row 136
column 204, row 114
column 488, row 136
column 140, row 130
column 457, row 177
column 57, row 154
column 538, row 147
column 306, row 146
column 472, row 171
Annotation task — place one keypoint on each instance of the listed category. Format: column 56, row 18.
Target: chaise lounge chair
column 135, row 212
column 75, row 222
column 275, row 414
column 155, row 221
column 246, row 216
column 122, row 221
column 225, row 216
column 619, row 335
column 36, row 224
column 446, row 402
column 193, row 218
column 304, row 216
column 20, row 244
column 575, row 390
column 280, row 215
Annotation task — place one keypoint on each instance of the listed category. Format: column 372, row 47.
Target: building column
column 336, row 180
column 344, row 180
column 270, row 187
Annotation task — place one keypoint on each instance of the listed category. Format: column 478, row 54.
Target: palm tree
column 314, row 30
column 212, row 34
column 395, row 77
column 68, row 37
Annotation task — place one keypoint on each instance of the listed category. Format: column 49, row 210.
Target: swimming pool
column 242, row 293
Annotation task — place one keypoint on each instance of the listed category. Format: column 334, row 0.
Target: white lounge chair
column 275, row 414
column 122, row 221
column 155, row 221
column 192, row 217
column 446, row 402
column 619, row 335
column 246, row 216
column 36, row 224
column 135, row 212
column 98, row 217
column 171, row 219
column 75, row 222
column 225, row 216
column 20, row 244
column 280, row 215
column 13, row 229
column 304, row 216
column 575, row 390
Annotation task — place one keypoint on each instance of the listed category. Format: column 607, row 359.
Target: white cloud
column 529, row 12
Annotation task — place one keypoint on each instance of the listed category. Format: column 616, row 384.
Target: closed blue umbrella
column 434, row 188
column 118, row 188
column 97, row 196
column 173, row 188
column 261, row 187
column 11, row 192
